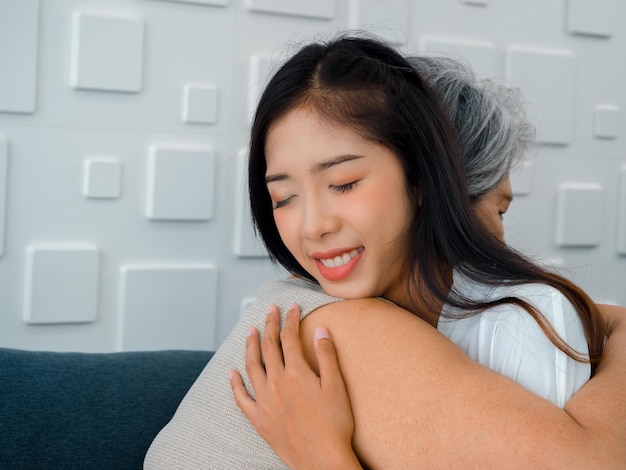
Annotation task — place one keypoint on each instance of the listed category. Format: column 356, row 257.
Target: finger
column 290, row 338
column 330, row 373
column 245, row 403
column 254, row 366
column 270, row 343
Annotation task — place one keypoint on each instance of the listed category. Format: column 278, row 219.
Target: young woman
column 504, row 337
column 353, row 166
column 311, row 413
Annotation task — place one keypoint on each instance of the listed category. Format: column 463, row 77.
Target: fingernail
column 270, row 309
column 250, row 331
column 320, row 333
column 293, row 306
column 231, row 374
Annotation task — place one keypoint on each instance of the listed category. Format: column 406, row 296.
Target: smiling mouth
column 342, row 260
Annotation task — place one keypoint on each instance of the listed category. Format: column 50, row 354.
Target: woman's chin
column 347, row 292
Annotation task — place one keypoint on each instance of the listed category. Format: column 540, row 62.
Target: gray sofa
column 88, row 411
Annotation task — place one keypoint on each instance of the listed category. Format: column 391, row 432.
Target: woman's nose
column 319, row 219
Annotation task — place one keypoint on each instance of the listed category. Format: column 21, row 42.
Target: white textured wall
column 123, row 222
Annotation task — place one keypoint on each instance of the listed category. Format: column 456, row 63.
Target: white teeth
column 341, row 260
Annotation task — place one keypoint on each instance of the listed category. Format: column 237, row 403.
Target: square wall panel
column 606, row 121
column 181, row 183
column 621, row 215
column 61, row 284
column 19, row 21
column 591, row 17
column 523, row 178
column 387, row 20
column 580, row 215
column 324, row 9
column 246, row 244
column 106, row 53
column 102, row 178
column 4, row 168
column 217, row 3
column 480, row 55
column 168, row 307
column 260, row 68
column 548, row 80
column 200, row 104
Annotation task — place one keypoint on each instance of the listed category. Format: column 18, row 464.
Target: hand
column 305, row 418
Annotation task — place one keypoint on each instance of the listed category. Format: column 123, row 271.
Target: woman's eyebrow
column 317, row 168
column 275, row 177
column 334, row 161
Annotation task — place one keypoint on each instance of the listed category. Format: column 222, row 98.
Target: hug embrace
column 380, row 188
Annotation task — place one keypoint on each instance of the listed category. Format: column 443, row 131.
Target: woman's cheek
column 279, row 221
column 286, row 227
column 384, row 198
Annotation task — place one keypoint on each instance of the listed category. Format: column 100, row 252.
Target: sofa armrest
column 82, row 410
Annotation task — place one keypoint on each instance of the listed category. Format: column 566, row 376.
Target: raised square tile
column 181, row 183
column 606, row 121
column 246, row 243
column 168, row 307
column 481, row 55
column 592, row 17
column 317, row 9
column 102, row 178
column 106, row 53
column 580, row 215
column 547, row 78
column 216, row 3
column 18, row 55
column 200, row 104
column 621, row 216
column 388, row 20
column 522, row 178
column 61, row 284
column 476, row 2
column 260, row 69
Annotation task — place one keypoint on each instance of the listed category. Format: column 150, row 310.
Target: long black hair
column 361, row 83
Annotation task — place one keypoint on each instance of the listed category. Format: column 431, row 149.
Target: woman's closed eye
column 338, row 188
column 344, row 188
column 282, row 202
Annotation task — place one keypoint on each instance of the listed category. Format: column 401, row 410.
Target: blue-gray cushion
column 82, row 411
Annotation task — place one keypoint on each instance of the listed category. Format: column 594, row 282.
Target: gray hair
column 490, row 119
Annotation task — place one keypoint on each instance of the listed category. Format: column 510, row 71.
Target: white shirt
column 509, row 340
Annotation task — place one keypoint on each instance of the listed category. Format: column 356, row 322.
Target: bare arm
column 600, row 405
column 402, row 377
column 418, row 400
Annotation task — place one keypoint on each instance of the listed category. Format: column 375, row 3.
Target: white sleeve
column 520, row 349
